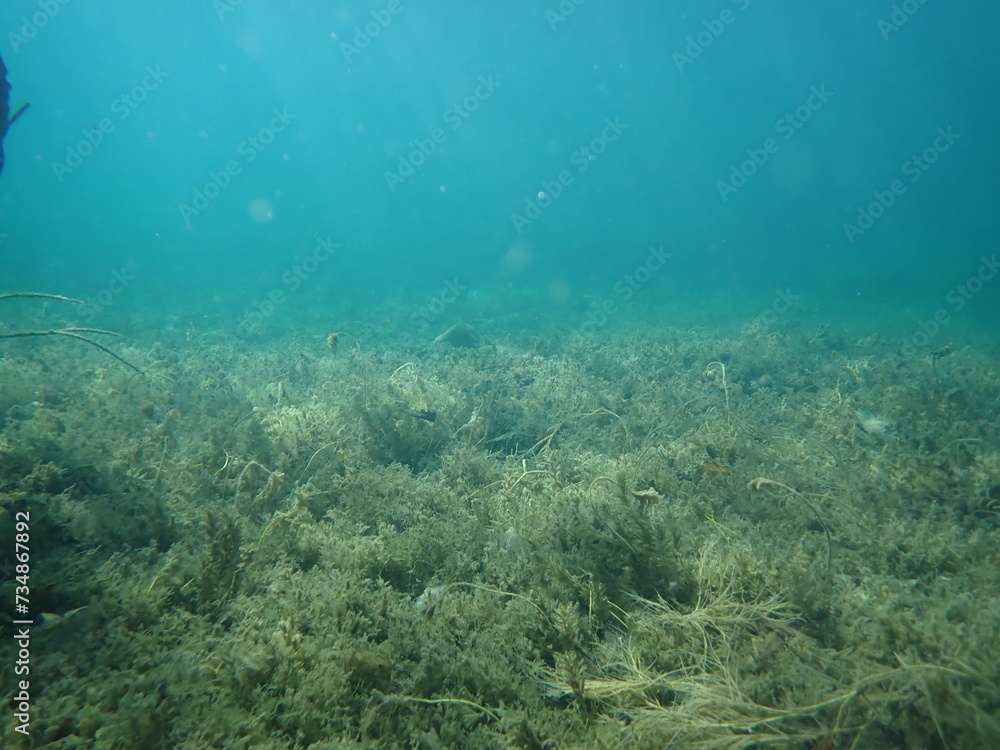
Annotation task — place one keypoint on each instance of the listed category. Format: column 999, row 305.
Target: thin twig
column 71, row 332
column 75, row 334
column 10, row 295
column 762, row 483
column 20, row 111
column 725, row 389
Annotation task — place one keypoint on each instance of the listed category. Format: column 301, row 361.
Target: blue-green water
column 563, row 375
column 198, row 149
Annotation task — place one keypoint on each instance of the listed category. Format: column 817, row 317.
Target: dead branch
column 39, row 295
column 74, row 333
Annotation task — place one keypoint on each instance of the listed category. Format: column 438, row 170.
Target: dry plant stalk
column 74, row 333
column 710, row 372
column 40, row 295
column 762, row 483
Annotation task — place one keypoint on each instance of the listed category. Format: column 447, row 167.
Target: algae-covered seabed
column 628, row 537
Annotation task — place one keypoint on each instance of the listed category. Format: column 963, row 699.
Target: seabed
column 630, row 537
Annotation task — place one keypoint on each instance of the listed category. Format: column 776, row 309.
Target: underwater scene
column 531, row 375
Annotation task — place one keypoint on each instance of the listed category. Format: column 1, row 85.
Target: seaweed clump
column 547, row 542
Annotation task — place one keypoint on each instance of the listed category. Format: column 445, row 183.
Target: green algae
column 277, row 546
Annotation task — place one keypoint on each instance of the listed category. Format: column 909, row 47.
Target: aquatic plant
column 280, row 546
column 762, row 483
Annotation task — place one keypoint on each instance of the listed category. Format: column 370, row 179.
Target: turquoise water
column 560, row 374
column 843, row 152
